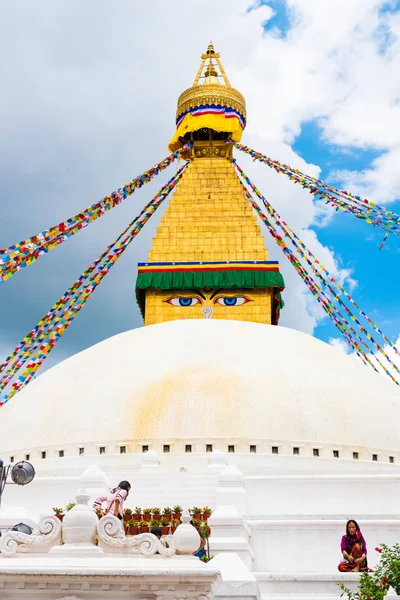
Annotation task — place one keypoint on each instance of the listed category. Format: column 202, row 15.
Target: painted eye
column 232, row 300
column 181, row 301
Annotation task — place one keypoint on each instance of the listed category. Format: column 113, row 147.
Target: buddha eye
column 232, row 300
column 182, row 301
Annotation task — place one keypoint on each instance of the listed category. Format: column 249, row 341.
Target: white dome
column 201, row 380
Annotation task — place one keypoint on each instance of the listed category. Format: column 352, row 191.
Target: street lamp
column 22, row 473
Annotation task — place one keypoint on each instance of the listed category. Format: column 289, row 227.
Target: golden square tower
column 208, row 258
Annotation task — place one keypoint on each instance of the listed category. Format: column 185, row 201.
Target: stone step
column 304, row 586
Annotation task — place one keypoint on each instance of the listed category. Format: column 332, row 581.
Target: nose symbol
column 207, row 312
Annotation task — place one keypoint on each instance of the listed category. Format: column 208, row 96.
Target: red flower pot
column 137, row 517
column 165, row 529
column 177, row 516
column 133, row 530
column 173, row 528
column 59, row 517
column 196, row 516
column 157, row 517
column 144, row 529
column 146, row 517
column 206, row 516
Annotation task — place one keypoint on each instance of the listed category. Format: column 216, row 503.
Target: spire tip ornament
column 210, row 105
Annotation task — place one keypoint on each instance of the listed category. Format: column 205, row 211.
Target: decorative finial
column 211, row 71
column 210, row 49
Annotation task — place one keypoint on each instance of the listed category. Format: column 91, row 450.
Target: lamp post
column 22, row 473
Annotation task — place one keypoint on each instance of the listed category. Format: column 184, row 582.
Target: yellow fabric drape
column 216, row 122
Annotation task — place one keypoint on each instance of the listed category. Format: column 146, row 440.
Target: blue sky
column 85, row 110
column 355, row 242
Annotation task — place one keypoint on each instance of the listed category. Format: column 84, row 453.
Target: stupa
column 212, row 402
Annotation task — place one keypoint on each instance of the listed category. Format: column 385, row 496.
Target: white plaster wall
column 159, row 488
column 347, row 494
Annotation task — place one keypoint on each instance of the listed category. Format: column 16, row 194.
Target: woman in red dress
column 354, row 549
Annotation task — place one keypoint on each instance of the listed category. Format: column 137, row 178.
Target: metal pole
column 3, row 477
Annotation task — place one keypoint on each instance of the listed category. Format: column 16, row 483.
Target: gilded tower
column 208, row 258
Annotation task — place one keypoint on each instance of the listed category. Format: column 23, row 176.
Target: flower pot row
column 150, row 516
column 175, row 513
column 153, row 514
column 133, row 527
column 200, row 514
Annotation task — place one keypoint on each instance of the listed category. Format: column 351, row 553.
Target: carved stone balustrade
column 112, row 539
column 41, row 540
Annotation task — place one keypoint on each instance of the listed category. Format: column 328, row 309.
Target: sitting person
column 115, row 500
column 158, row 533
column 354, row 549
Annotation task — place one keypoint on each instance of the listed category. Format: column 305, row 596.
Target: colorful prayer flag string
column 328, row 285
column 39, row 342
column 26, row 252
column 340, row 199
column 327, row 273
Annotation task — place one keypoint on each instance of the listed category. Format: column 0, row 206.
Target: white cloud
column 394, row 357
column 380, row 182
column 340, row 345
column 374, row 357
column 338, row 63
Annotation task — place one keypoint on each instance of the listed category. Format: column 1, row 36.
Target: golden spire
column 207, row 68
column 212, row 91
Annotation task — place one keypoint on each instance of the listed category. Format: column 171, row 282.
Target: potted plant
column 127, row 514
column 147, row 514
column 99, row 512
column 133, row 527
column 196, row 523
column 164, row 523
column 206, row 559
column 59, row 513
column 174, row 525
column 167, row 513
column 156, row 513
column 137, row 515
column 70, row 505
column 205, row 531
column 207, row 512
column 196, row 513
column 153, row 523
column 144, row 527
column 177, row 512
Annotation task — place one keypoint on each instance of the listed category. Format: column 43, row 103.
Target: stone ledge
column 105, row 566
column 312, row 576
column 317, row 523
column 303, row 586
